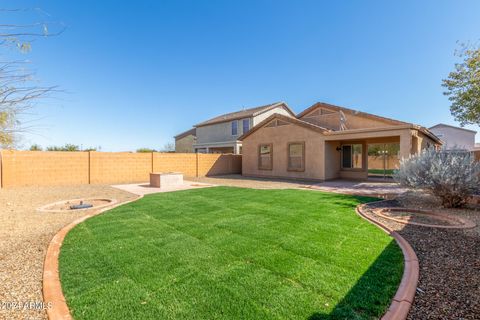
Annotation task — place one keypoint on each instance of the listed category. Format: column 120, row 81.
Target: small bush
column 66, row 147
column 35, row 147
column 453, row 176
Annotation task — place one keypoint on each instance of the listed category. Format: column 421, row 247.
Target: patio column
column 405, row 144
column 235, row 149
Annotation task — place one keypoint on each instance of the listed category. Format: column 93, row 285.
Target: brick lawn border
column 52, row 288
column 403, row 299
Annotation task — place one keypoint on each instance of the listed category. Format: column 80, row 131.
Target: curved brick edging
column 464, row 223
column 403, row 299
column 52, row 288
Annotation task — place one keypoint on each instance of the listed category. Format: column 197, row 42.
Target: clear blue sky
column 139, row 72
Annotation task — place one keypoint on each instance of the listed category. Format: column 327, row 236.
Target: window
column 246, row 125
column 265, row 157
column 234, row 128
column 352, row 156
column 296, row 156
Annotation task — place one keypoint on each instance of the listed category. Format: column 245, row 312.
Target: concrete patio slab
column 368, row 188
column 383, row 189
column 145, row 188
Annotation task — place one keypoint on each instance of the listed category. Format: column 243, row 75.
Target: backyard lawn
column 381, row 171
column 230, row 253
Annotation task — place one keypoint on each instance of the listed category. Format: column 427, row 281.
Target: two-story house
column 220, row 134
column 455, row 137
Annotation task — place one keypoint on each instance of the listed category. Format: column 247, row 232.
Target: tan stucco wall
column 219, row 132
column 280, row 137
column 256, row 120
column 332, row 160
column 222, row 132
column 185, row 144
column 453, row 137
column 322, row 160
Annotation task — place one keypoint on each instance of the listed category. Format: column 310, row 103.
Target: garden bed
column 448, row 259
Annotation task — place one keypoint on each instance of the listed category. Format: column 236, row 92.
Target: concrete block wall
column 33, row 168
column 391, row 162
column 217, row 164
column 185, row 163
column 37, row 168
column 119, row 167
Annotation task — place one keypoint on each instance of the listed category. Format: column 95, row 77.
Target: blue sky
column 138, row 72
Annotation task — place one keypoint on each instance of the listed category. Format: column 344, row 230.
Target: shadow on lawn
column 371, row 295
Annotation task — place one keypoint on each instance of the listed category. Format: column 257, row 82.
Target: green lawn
column 381, row 171
column 230, row 253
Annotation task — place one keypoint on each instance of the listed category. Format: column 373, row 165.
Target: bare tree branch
column 19, row 92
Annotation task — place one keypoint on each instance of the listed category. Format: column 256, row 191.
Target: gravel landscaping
column 449, row 283
column 24, row 237
column 449, row 259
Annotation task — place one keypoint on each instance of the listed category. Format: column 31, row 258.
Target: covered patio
column 351, row 154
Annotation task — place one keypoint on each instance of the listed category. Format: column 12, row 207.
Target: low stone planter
column 165, row 180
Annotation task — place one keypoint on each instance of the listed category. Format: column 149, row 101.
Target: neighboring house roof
column 282, row 117
column 184, row 134
column 449, row 126
column 348, row 111
column 251, row 112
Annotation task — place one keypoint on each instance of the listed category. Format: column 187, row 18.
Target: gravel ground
column 24, row 238
column 448, row 288
column 449, row 284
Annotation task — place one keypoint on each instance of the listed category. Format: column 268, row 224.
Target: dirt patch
column 449, row 260
column 24, row 237
column 69, row 205
column 409, row 217
column 423, row 218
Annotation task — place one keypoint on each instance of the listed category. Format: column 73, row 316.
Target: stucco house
column 326, row 142
column 455, row 137
column 184, row 141
column 220, row 134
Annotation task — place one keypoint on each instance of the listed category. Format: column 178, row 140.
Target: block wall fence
column 45, row 168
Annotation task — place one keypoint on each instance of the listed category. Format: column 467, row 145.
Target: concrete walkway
column 144, row 187
column 370, row 188
column 384, row 189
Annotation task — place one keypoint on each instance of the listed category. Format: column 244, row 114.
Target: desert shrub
column 453, row 176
